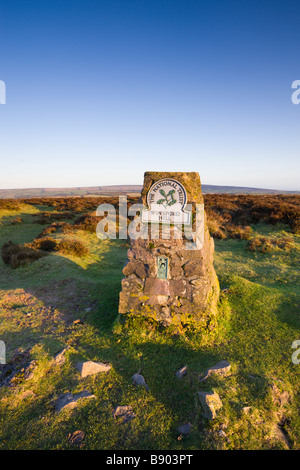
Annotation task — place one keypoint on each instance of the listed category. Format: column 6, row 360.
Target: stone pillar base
column 165, row 282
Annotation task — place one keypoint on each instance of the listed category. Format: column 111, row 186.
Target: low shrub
column 10, row 204
column 295, row 224
column 51, row 229
column 238, row 231
column 16, row 255
column 267, row 244
column 47, row 217
column 17, row 220
column 78, row 204
column 47, row 231
column 66, row 227
column 242, row 210
column 72, row 247
column 44, row 244
column 221, row 226
column 215, row 226
column 87, row 222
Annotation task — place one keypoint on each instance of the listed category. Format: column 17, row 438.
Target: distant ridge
column 130, row 189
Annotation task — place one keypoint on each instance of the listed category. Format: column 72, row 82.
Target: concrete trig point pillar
column 169, row 274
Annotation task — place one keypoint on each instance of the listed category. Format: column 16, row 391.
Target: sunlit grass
column 258, row 321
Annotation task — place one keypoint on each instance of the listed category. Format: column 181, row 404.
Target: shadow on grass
column 91, row 295
column 66, row 292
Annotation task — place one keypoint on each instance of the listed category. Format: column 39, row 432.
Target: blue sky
column 100, row 91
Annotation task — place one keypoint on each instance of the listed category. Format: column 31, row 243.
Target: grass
column 258, row 321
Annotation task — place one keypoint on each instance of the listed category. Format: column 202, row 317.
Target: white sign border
column 189, row 213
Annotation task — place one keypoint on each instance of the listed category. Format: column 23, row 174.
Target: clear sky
column 99, row 91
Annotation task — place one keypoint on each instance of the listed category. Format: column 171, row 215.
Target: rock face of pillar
column 171, row 280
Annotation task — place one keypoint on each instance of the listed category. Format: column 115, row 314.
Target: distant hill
column 69, row 192
column 115, row 190
column 209, row 188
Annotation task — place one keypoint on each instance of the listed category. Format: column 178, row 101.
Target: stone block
column 91, row 368
column 136, row 267
column 132, row 284
column 157, row 300
column 221, row 368
column 157, row 287
column 211, row 403
column 123, row 302
column 194, row 267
